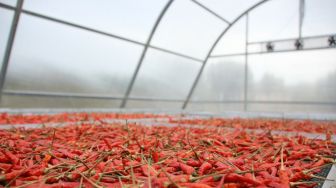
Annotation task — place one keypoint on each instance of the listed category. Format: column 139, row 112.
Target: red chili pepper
column 67, row 153
column 318, row 163
column 75, row 174
column 186, row 168
column 11, row 175
column 5, row 167
column 195, row 185
column 221, row 183
column 194, row 163
column 204, row 167
column 155, row 156
column 238, row 178
column 11, row 156
column 148, row 171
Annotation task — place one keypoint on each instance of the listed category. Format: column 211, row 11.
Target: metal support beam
column 142, row 57
column 7, row 6
column 106, row 97
column 213, row 47
column 246, row 62
column 9, row 46
column 292, row 39
column 57, row 94
column 282, row 51
column 79, row 95
column 331, row 103
column 211, row 12
column 176, row 53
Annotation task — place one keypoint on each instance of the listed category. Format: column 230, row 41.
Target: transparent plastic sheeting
column 132, row 19
column 222, row 80
column 308, row 76
column 291, row 108
column 276, row 19
column 51, row 57
column 6, row 21
column 134, row 104
column 215, row 107
column 9, row 2
column 319, row 18
column 188, row 29
column 234, row 40
column 165, row 76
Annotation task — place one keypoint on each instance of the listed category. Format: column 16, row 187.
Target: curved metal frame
column 213, row 47
column 142, row 57
column 10, row 43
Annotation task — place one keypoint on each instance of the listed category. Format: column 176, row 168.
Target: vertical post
column 301, row 16
column 246, row 62
column 9, row 46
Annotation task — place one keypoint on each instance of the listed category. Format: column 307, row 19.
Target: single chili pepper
column 11, row 175
column 273, row 171
column 67, row 153
column 148, row 171
column 11, row 156
column 194, row 163
column 5, row 167
column 221, row 183
column 155, row 156
column 186, row 168
column 204, row 167
column 195, row 185
column 283, row 175
column 76, row 174
column 238, row 178
column 232, row 185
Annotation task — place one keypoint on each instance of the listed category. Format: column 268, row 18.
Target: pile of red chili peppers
column 15, row 119
column 266, row 124
column 103, row 154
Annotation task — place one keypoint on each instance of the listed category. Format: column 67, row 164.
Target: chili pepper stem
column 320, row 177
column 281, row 158
column 149, row 178
column 318, row 167
column 81, row 182
column 172, row 181
column 52, row 140
column 89, row 180
column 292, row 184
column 192, row 148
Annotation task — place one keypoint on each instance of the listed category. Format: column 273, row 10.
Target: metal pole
column 246, row 63
column 211, row 12
column 301, row 16
column 142, row 57
column 9, row 46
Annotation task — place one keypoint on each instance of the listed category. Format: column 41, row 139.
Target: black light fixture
column 298, row 44
column 331, row 41
column 269, row 47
